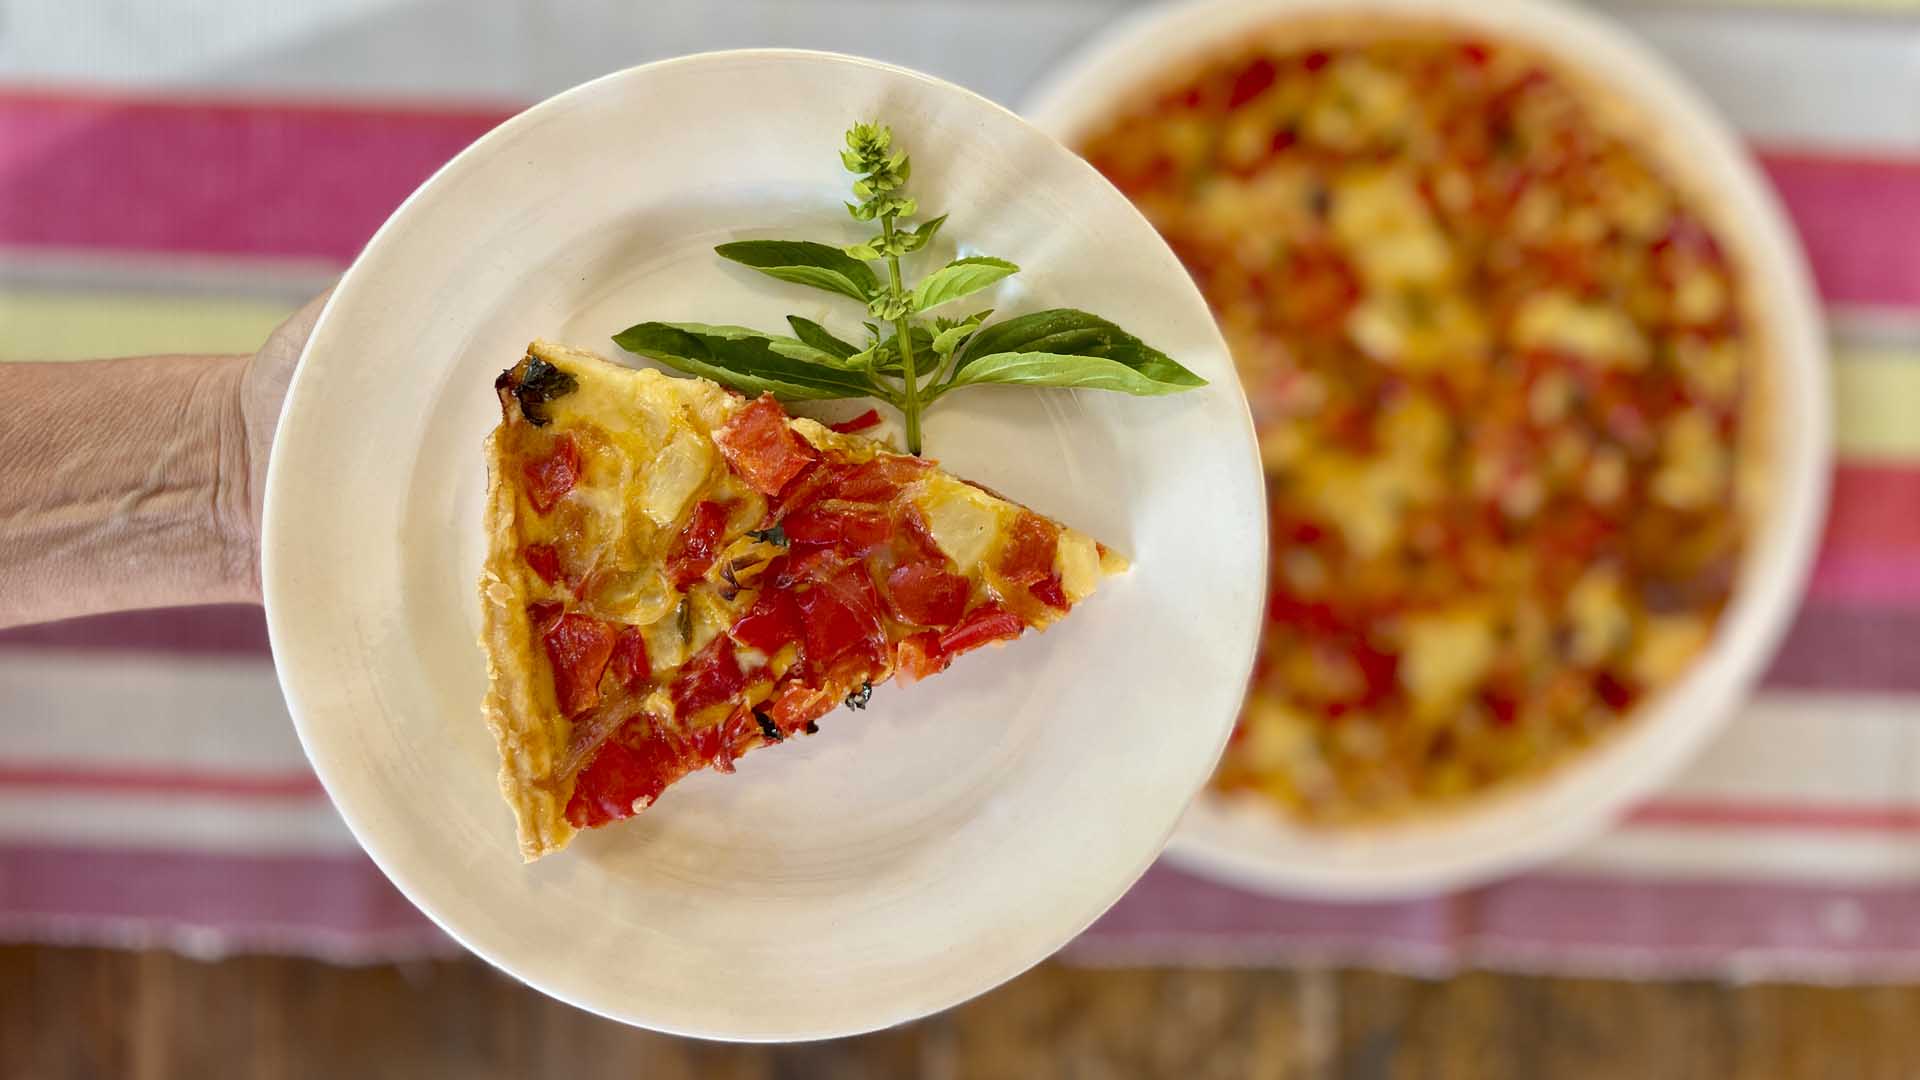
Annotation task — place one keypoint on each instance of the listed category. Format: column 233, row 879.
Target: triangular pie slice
column 677, row 575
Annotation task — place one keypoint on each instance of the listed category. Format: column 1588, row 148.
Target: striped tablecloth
column 179, row 175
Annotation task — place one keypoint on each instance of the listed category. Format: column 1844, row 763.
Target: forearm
column 123, row 484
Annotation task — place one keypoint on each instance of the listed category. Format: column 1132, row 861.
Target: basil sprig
column 906, row 360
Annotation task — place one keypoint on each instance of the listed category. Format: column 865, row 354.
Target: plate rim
column 273, row 575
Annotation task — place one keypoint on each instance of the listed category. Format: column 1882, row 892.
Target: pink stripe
column 252, row 179
column 267, row 178
column 1876, row 507
column 1867, row 579
column 1859, row 220
column 241, row 896
column 1168, row 899
column 1171, row 914
column 1814, row 817
column 130, row 780
column 1720, row 916
column 227, row 894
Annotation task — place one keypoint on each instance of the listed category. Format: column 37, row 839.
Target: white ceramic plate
column 1245, row 841
column 908, row 857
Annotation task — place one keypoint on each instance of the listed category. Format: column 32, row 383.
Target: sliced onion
column 590, row 730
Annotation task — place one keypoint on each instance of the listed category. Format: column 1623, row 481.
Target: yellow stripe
column 39, row 324
column 1877, row 389
column 1876, row 400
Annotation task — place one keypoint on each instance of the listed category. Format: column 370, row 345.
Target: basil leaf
column 958, row 278
column 921, row 236
column 952, row 338
column 817, row 336
column 805, row 353
column 804, row 262
column 1060, row 369
column 953, row 334
column 740, row 358
column 1066, row 331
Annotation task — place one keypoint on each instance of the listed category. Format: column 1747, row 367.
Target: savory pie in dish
column 1503, row 377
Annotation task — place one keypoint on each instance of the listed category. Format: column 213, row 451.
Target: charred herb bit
column 1320, row 201
column 813, row 728
column 859, row 698
column 541, row 383
column 684, row 616
column 776, row 535
column 769, row 730
column 730, row 583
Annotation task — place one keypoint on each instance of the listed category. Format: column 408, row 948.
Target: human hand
column 262, row 391
column 138, row 482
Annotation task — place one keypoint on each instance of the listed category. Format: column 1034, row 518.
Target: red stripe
column 1870, row 552
column 135, row 780
column 1677, row 813
column 280, row 178
column 1698, row 814
column 1859, row 220
column 1875, row 507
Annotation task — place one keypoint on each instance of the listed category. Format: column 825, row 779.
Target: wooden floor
column 88, row 1013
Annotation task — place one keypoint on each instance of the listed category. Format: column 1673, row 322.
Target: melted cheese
column 1393, row 237
column 1694, row 464
column 1598, row 333
column 1444, row 655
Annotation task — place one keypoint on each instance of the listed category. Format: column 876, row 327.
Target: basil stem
column 903, row 333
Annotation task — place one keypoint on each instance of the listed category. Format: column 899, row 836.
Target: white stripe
column 1865, row 325
column 1782, row 75
column 144, row 710
column 1789, row 749
column 288, row 280
column 524, row 50
column 1814, row 79
column 1779, row 855
column 177, row 823
column 217, row 714
column 156, row 42
column 1831, row 749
